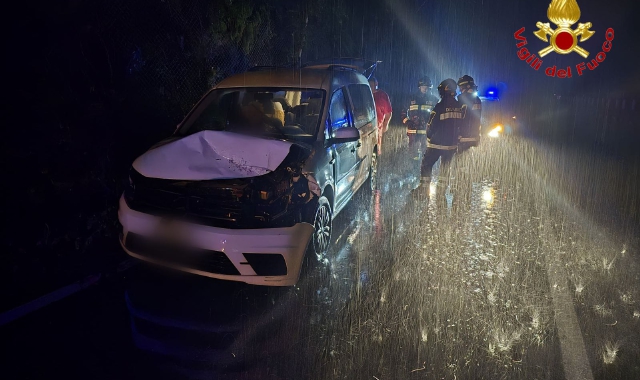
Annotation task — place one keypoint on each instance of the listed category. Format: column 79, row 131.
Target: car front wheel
column 322, row 228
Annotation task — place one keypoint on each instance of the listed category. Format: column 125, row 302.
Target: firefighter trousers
column 417, row 144
column 431, row 156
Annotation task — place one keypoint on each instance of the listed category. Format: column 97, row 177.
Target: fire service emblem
column 563, row 39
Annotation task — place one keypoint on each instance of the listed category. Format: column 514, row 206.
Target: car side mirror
column 344, row 135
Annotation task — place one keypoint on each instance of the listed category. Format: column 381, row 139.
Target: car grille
column 189, row 257
column 216, row 202
column 219, row 205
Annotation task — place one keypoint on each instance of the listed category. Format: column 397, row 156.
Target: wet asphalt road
column 455, row 286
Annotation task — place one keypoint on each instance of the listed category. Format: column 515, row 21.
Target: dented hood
column 211, row 155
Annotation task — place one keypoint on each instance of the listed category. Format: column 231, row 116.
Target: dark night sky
column 452, row 37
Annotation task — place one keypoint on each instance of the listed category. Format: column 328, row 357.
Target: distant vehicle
column 496, row 121
column 254, row 175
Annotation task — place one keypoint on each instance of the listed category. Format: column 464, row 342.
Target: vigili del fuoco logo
column 563, row 40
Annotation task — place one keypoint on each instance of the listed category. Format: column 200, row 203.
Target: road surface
column 527, row 268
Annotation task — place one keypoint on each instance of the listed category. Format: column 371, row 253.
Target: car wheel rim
column 322, row 231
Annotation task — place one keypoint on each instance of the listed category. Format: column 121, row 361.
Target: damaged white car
column 254, row 175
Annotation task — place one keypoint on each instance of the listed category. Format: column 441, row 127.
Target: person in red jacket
column 383, row 110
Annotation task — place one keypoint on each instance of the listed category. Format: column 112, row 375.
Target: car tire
column 322, row 225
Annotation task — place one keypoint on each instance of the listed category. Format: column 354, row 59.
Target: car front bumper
column 268, row 256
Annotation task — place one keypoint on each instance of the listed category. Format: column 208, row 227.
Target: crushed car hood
column 209, row 155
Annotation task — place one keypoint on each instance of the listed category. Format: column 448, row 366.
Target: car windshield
column 276, row 112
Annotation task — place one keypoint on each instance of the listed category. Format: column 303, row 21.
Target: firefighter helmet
column 466, row 82
column 425, row 81
column 447, row 87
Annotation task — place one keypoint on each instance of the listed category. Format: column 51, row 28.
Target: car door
column 344, row 153
column 364, row 118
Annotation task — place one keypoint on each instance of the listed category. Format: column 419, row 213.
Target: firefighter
column 417, row 115
column 442, row 134
column 470, row 128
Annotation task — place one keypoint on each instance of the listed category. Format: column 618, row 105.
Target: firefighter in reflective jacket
column 470, row 128
column 417, row 115
column 442, row 133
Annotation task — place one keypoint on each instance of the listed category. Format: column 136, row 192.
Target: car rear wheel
column 322, row 228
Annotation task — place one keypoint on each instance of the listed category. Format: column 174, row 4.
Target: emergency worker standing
column 442, row 134
column 470, row 128
column 417, row 116
column 383, row 110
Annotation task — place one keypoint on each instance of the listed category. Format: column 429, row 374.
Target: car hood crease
column 209, row 155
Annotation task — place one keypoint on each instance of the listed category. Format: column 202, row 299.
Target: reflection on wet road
column 453, row 286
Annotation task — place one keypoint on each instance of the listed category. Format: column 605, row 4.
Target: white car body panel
column 290, row 242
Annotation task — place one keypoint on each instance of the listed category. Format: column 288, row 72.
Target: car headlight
column 265, row 195
column 267, row 189
column 495, row 132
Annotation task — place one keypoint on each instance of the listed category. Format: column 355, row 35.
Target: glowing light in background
column 492, row 93
column 495, row 132
column 488, row 196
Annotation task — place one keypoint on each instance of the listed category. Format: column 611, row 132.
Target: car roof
column 327, row 78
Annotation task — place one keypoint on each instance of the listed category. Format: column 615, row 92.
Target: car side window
column 338, row 115
column 364, row 109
